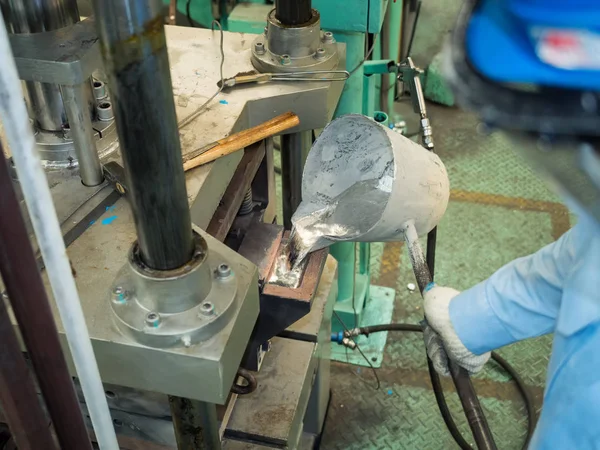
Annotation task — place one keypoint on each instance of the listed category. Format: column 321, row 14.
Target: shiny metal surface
column 294, row 151
column 34, row 16
column 77, row 105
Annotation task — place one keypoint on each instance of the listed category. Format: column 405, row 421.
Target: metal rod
column 30, row 305
column 49, row 236
column 35, row 16
column 294, row 150
column 462, row 381
column 21, row 405
column 136, row 62
column 76, row 104
column 195, row 423
column 293, row 12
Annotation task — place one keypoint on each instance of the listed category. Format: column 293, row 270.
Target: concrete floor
column 499, row 210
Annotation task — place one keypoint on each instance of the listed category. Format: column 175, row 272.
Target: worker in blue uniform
column 556, row 290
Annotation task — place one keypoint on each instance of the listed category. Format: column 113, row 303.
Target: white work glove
column 441, row 340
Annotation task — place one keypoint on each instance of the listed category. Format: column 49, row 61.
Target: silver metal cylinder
column 80, row 124
column 294, row 151
column 294, row 41
column 34, row 16
column 284, row 48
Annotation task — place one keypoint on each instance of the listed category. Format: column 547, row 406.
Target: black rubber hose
column 250, row 379
column 439, row 392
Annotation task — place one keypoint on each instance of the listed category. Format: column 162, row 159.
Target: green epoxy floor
column 499, row 210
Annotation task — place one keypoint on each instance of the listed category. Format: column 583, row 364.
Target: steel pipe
column 76, row 104
column 136, row 62
column 49, row 236
column 294, row 151
column 36, row 323
column 35, row 16
column 293, row 12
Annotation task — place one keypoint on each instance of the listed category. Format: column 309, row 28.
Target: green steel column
column 391, row 50
column 351, row 291
column 352, row 96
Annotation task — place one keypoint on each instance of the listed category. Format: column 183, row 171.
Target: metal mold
column 181, row 307
column 287, row 49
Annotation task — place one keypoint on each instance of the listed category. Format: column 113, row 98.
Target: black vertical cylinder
column 293, row 12
column 135, row 54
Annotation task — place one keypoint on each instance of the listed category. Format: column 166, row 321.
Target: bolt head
column 223, row 271
column 153, row 319
column 328, row 36
column 119, row 294
column 259, row 48
column 320, row 53
column 285, row 60
column 207, row 309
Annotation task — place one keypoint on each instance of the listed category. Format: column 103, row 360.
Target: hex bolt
column 223, row 271
column 207, row 309
column 119, row 294
column 99, row 90
column 259, row 48
column 152, row 319
column 285, row 60
column 320, row 53
column 328, row 36
column 104, row 111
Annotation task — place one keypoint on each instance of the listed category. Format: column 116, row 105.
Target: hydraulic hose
column 439, row 392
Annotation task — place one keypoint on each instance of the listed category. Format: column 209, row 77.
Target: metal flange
column 178, row 307
column 284, row 48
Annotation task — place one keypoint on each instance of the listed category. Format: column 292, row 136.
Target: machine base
column 379, row 309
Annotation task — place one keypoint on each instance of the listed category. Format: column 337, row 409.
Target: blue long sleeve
column 520, row 300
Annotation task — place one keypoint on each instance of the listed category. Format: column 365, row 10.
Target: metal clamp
column 67, row 56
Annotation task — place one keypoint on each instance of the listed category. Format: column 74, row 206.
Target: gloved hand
column 441, row 340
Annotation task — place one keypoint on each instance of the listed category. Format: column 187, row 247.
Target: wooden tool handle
column 243, row 139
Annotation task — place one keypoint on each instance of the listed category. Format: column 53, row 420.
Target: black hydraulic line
column 134, row 48
column 293, row 12
column 460, row 376
column 439, row 393
column 31, row 308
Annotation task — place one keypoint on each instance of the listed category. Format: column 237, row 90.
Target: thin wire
column 201, row 108
column 360, row 351
column 360, row 64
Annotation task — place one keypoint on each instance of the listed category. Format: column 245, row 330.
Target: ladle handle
column 462, row 381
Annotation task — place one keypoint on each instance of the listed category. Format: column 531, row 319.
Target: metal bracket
column 67, row 56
